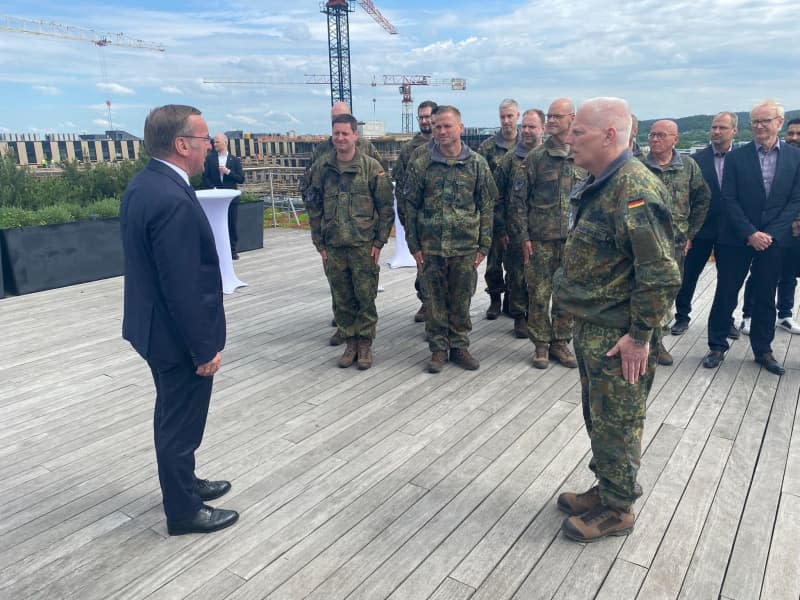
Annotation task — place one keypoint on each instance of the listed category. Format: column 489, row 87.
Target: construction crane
column 404, row 83
column 70, row 32
column 339, row 44
column 78, row 34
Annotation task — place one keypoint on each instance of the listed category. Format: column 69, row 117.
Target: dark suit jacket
column 705, row 159
column 211, row 172
column 746, row 206
column 173, row 307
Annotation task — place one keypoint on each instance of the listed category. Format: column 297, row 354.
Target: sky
column 667, row 59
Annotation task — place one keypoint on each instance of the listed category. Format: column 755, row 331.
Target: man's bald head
column 340, row 108
column 600, row 133
column 609, row 113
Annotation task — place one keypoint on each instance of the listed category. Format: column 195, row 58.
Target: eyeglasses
column 555, row 117
column 762, row 122
column 207, row 138
column 659, row 135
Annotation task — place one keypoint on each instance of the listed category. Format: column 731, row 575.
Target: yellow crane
column 78, row 34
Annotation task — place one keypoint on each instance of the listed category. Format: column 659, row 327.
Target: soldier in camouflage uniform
column 493, row 149
column 351, row 213
column 450, row 196
column 540, row 220
column 689, row 192
column 516, row 289
column 365, row 147
column 425, row 112
column 618, row 280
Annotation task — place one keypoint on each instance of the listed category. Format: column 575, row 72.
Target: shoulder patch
column 638, row 203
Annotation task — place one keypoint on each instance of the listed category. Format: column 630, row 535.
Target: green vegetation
column 81, row 192
column 285, row 219
column 694, row 130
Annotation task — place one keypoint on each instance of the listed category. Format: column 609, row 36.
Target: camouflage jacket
column 689, row 191
column 619, row 268
column 540, row 197
column 449, row 203
column 350, row 207
column 504, row 178
column 495, row 147
column 400, row 166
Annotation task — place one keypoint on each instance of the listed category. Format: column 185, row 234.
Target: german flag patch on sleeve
column 639, row 202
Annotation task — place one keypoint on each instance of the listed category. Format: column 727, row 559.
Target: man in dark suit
column 761, row 198
column 711, row 161
column 173, row 311
column 224, row 170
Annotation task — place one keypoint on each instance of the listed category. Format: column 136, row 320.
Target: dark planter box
column 53, row 256
column 250, row 226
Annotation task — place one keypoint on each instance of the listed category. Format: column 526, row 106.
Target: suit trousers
column 733, row 263
column 693, row 264
column 182, row 399
column 786, row 285
column 233, row 220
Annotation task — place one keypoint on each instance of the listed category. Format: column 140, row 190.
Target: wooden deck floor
column 389, row 483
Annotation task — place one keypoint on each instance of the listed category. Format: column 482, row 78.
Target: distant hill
column 694, row 130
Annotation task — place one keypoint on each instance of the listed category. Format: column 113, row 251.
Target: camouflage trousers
column 448, row 284
column 542, row 265
column 353, row 277
column 613, row 411
column 516, row 288
column 495, row 284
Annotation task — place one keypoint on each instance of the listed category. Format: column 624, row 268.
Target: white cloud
column 115, row 88
column 241, row 119
column 172, row 89
column 47, row 90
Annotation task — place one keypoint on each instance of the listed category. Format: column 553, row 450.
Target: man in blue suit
column 761, row 199
column 711, row 161
column 173, row 311
column 224, row 170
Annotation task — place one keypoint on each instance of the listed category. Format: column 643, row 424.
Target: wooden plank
column 782, row 578
column 450, row 589
column 750, row 550
column 623, row 581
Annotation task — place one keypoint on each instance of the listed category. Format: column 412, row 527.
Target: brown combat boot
column 560, row 351
column 577, row 504
column 521, row 328
column 364, row 353
column 464, row 359
column 349, row 356
column 336, row 339
column 494, row 307
column 541, row 360
column 420, row 316
column 436, row 363
column 664, row 357
column 597, row 523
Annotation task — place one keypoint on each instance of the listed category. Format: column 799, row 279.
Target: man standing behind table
column 173, row 312
column 761, row 198
column 450, row 196
column 711, row 161
column 223, row 170
column 351, row 212
column 425, row 112
column 689, row 192
column 493, row 149
column 531, row 132
column 541, row 219
column 618, row 280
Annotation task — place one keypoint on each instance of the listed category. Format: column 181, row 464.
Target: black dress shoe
column 713, row 359
column 235, row 255
column 734, row 333
column 211, row 490
column 205, row 520
column 768, row 361
column 679, row 327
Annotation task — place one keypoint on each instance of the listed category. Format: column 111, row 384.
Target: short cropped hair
column 538, row 112
column 428, row 104
column 509, row 103
column 163, row 125
column 731, row 115
column 346, row 119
